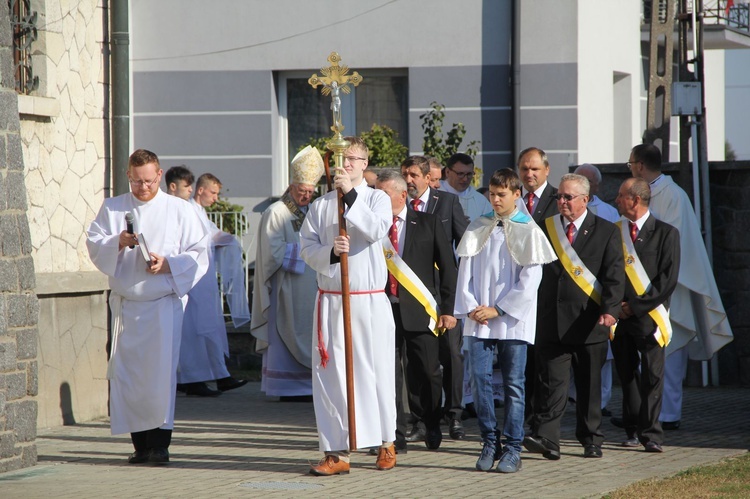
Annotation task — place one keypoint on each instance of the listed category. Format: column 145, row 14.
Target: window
column 23, row 23
column 381, row 98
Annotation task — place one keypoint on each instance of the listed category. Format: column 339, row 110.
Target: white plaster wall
column 545, row 24
column 608, row 42
column 64, row 153
column 299, row 34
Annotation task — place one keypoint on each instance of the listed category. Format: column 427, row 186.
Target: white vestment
column 473, row 203
column 283, row 306
column 373, row 329
column 491, row 278
column 147, row 309
column 695, row 307
column 204, row 332
column 699, row 322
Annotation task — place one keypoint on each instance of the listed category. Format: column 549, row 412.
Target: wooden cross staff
column 336, row 79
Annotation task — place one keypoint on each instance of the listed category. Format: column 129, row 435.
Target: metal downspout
column 120, row 93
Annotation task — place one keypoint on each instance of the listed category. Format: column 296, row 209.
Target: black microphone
column 129, row 222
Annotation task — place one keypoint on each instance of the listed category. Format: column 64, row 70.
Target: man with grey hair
column 415, row 246
column 579, row 301
column 609, row 213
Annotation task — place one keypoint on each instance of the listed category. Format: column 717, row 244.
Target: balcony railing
column 235, row 223
column 733, row 14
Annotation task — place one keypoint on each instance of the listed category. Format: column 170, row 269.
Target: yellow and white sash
column 641, row 283
column 412, row 283
column 571, row 262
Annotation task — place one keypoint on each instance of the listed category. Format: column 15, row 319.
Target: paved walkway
column 245, row 445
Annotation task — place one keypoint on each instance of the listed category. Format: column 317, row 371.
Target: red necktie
column 569, row 232
column 393, row 236
column 530, row 203
column 633, row 231
column 415, row 203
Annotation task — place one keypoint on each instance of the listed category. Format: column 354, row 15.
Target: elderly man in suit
column 579, row 301
column 447, row 208
column 652, row 260
column 415, row 246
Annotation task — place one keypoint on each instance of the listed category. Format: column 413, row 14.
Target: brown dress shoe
column 330, row 465
column 386, row 458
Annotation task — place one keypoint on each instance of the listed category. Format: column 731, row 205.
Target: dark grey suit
column 658, row 249
column 568, row 332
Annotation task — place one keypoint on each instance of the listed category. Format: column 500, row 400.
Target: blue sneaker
column 510, row 462
column 487, row 458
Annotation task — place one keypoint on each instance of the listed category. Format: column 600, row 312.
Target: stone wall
column 18, row 303
column 63, row 129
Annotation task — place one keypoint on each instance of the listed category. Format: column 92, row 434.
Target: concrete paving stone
column 244, row 444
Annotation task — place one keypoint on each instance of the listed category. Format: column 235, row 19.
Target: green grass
column 727, row 479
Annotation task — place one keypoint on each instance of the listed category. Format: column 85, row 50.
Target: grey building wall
column 18, row 303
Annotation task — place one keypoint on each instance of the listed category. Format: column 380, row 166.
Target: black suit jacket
column 546, row 206
column 566, row 314
column 425, row 246
column 446, row 207
column 658, row 249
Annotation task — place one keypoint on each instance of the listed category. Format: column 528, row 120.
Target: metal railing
column 733, row 14
column 237, row 224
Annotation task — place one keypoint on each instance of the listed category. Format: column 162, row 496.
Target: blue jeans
column 511, row 355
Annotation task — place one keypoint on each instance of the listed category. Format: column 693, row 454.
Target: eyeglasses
column 630, row 164
column 567, row 197
column 462, row 175
column 352, row 159
column 143, row 183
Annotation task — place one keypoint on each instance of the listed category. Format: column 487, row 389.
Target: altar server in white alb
column 368, row 217
column 147, row 301
column 284, row 287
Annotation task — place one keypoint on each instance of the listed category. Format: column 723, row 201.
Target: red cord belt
column 321, row 345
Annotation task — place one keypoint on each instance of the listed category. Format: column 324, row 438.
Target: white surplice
column 283, row 307
column 204, row 332
column 147, row 309
column 473, row 203
column 373, row 329
column 491, row 278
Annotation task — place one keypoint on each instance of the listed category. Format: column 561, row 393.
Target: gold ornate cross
column 335, row 79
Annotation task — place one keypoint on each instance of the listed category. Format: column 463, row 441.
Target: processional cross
column 336, row 79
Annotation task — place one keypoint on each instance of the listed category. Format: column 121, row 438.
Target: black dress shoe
column 229, row 383
column 433, row 438
column 670, row 425
column 416, row 434
column 138, row 457
column 618, row 422
column 540, row 445
column 158, row 455
column 200, row 389
column 592, row 450
column 653, row 447
column 606, row 412
column 181, row 387
column 456, row 430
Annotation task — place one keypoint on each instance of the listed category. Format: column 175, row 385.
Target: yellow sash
column 641, row 283
column 571, row 262
column 412, row 283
